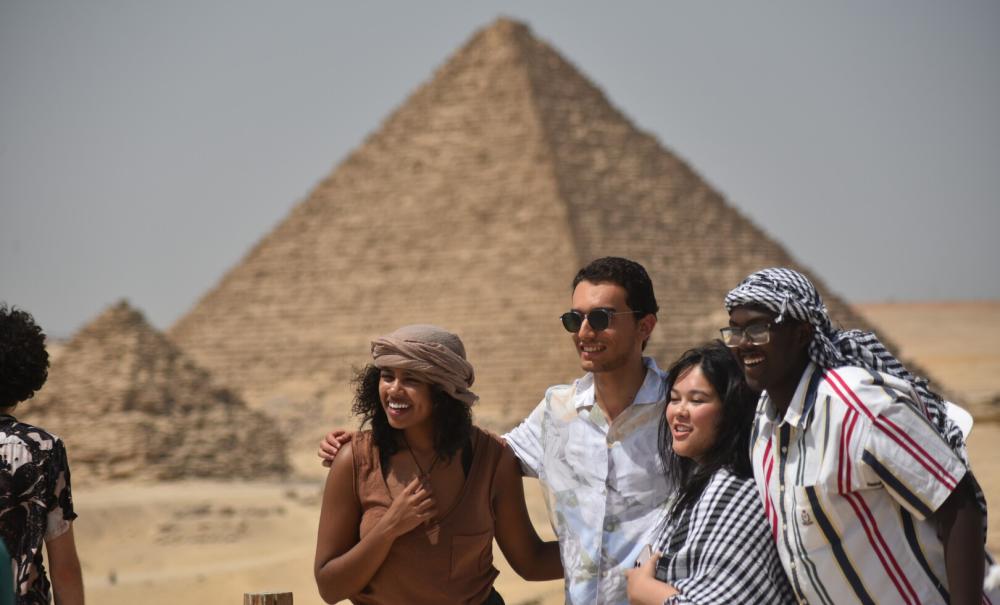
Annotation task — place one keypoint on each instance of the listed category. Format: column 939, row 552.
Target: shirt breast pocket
column 811, row 527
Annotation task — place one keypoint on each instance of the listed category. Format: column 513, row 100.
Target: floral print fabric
column 36, row 503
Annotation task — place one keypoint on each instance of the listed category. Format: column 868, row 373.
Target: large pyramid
column 472, row 207
column 129, row 404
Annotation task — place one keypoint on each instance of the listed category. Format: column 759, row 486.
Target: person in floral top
column 36, row 503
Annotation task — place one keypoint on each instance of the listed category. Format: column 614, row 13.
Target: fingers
column 649, row 566
column 413, row 486
column 426, row 511
column 341, row 436
column 331, row 443
column 421, row 499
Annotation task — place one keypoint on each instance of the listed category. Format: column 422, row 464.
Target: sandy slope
column 208, row 542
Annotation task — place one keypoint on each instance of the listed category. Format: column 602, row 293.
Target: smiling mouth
column 395, row 405
column 751, row 360
column 681, row 430
column 592, row 348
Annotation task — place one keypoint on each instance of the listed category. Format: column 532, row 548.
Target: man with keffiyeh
column 865, row 480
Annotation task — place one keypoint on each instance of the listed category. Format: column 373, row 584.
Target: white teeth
column 591, row 348
column 752, row 361
column 682, row 429
column 393, row 405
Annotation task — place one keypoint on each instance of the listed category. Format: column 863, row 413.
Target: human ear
column 646, row 325
column 803, row 335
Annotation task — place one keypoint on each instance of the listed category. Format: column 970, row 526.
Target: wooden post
column 267, row 598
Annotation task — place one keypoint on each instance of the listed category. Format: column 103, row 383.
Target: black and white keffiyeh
column 790, row 294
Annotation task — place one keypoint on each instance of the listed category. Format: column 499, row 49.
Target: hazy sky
column 144, row 147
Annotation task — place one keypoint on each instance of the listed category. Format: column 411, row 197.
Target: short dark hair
column 24, row 362
column 731, row 448
column 452, row 417
column 626, row 273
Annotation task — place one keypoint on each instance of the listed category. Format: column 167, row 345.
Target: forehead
column 747, row 315
column 391, row 371
column 693, row 379
column 588, row 295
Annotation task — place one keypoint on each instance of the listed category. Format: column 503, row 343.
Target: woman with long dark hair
column 411, row 506
column 716, row 547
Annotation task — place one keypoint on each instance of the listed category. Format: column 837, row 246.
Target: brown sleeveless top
column 449, row 562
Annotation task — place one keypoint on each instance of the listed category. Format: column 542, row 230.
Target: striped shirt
column 603, row 481
column 850, row 477
column 720, row 550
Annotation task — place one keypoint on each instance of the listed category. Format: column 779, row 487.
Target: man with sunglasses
column 593, row 444
column 865, row 479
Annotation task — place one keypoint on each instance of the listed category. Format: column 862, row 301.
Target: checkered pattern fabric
column 790, row 294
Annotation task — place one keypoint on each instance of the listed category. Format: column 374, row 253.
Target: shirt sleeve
column 59, row 496
column 526, row 441
column 911, row 459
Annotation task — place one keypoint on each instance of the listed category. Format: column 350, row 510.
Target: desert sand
column 211, row 541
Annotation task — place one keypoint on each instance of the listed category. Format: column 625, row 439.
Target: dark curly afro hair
column 452, row 418
column 24, row 362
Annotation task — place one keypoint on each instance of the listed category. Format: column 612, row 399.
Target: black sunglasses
column 598, row 319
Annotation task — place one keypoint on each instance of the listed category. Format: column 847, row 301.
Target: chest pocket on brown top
column 471, row 555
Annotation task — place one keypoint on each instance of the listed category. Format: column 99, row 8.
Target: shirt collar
column 803, row 399
column 651, row 391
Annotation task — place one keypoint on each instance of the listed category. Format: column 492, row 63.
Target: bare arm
column 960, row 525
column 644, row 588
column 64, row 568
column 346, row 563
column 527, row 554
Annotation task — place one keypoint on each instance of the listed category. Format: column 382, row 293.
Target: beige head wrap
column 434, row 354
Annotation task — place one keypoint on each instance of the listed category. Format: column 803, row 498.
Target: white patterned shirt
column 604, row 482
column 850, row 478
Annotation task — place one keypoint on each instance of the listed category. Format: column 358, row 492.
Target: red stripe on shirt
column 899, row 432
column 921, row 456
column 890, row 566
column 767, row 463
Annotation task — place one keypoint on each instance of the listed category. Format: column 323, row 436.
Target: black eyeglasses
column 757, row 334
column 598, row 319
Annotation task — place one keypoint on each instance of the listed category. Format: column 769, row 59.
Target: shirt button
column 784, row 450
column 782, row 488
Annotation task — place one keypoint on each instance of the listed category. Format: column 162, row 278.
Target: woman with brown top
column 412, row 505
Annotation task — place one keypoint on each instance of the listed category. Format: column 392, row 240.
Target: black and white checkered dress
column 720, row 550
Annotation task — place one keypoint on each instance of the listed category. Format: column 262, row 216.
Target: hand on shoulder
column 331, row 444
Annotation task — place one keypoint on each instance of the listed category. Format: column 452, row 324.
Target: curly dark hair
column 24, row 362
column 731, row 449
column 452, row 418
column 628, row 274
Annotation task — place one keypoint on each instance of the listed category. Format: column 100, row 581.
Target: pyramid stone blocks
column 472, row 207
column 129, row 404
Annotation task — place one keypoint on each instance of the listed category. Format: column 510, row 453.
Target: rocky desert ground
column 211, row 541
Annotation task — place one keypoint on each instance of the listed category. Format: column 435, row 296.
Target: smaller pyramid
column 129, row 404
